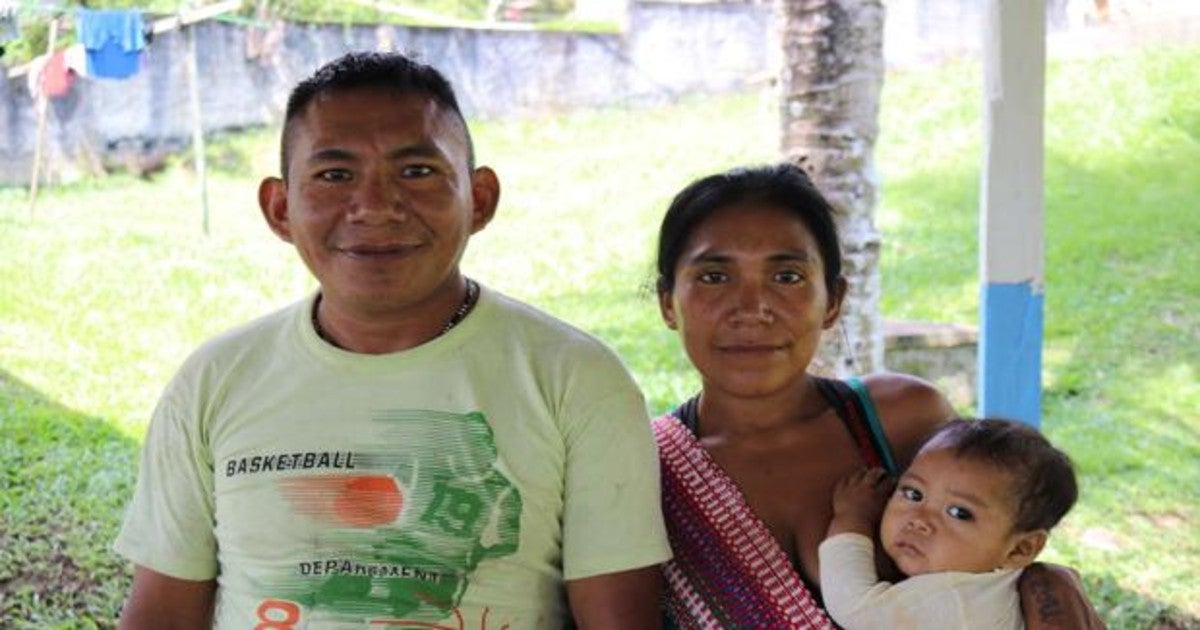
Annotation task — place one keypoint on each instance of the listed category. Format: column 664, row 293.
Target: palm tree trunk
column 831, row 75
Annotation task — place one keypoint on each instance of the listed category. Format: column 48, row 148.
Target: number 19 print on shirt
column 393, row 527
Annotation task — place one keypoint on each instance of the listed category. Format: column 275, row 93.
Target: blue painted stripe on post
column 1010, row 352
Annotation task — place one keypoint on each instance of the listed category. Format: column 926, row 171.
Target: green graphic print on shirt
column 425, row 504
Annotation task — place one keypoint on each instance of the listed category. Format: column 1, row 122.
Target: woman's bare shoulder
column 909, row 407
column 907, row 391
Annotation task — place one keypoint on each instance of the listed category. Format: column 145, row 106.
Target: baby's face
column 950, row 514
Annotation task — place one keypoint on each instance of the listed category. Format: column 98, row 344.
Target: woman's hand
column 1052, row 597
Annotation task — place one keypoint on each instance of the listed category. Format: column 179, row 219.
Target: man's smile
column 380, row 251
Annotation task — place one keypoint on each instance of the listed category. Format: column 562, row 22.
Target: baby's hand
column 858, row 501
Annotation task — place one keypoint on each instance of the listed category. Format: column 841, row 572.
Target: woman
column 749, row 274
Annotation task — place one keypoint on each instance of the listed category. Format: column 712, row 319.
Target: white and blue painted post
column 1012, row 203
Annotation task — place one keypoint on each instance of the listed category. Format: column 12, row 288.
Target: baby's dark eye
column 910, row 493
column 960, row 513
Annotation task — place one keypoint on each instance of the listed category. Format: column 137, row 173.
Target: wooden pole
column 1012, row 211
column 42, row 106
column 197, row 125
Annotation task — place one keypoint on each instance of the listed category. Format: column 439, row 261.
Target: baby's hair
column 1043, row 478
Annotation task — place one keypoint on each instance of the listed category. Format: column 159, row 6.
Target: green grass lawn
column 1122, row 303
column 106, row 289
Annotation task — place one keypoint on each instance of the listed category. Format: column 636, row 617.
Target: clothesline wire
column 66, row 12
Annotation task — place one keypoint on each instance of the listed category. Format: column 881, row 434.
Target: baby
column 973, row 510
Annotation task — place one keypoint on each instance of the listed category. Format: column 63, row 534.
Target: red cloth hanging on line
column 49, row 75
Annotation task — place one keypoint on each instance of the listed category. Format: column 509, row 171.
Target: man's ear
column 485, row 195
column 834, row 309
column 1025, row 548
column 272, row 200
column 666, row 306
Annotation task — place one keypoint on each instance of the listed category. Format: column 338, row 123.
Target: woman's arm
column 1052, row 598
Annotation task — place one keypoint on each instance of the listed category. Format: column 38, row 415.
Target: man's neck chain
column 468, row 303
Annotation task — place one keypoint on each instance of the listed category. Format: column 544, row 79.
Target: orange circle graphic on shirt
column 368, row 500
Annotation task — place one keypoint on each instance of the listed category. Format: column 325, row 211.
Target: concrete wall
column 669, row 50
column 944, row 354
column 924, row 31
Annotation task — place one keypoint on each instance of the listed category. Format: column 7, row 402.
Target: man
column 405, row 448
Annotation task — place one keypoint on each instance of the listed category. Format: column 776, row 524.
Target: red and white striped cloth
column 728, row 571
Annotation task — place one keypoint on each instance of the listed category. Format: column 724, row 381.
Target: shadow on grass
column 65, row 479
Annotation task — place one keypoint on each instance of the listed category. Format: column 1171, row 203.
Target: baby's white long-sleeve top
column 953, row 600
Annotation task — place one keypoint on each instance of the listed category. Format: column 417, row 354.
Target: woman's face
column 750, row 300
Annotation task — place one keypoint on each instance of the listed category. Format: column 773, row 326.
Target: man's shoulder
column 548, row 341
column 247, row 337
column 225, row 359
column 521, row 316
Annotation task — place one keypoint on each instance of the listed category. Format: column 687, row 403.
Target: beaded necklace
column 460, row 314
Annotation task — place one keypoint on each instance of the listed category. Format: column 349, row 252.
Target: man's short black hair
column 386, row 71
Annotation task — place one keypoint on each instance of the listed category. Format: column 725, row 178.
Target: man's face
column 380, row 200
